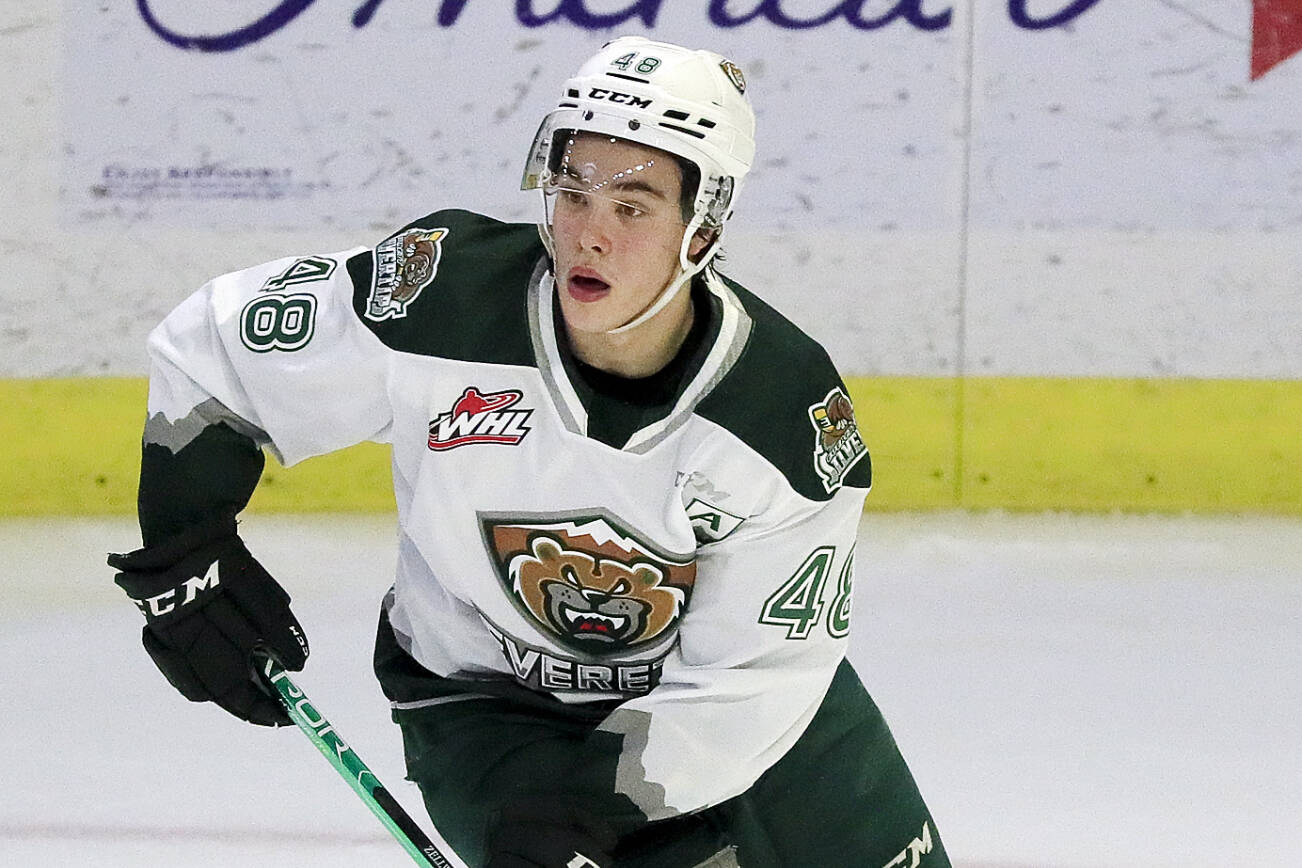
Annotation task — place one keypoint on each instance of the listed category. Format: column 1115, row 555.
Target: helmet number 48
column 646, row 65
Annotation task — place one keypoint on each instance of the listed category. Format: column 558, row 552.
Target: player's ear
column 701, row 242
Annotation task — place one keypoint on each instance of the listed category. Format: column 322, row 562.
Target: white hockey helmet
column 689, row 103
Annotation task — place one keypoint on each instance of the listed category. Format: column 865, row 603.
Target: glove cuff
column 171, row 550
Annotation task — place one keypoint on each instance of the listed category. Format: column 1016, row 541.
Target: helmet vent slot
column 708, row 124
column 628, row 77
column 694, row 133
column 677, row 115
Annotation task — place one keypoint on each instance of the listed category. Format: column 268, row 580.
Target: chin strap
column 658, row 305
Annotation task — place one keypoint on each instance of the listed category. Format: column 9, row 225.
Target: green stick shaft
column 350, row 766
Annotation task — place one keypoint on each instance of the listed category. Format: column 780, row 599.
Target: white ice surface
column 1069, row 691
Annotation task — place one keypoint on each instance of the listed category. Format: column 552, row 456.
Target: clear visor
column 709, row 197
column 535, row 168
column 640, row 198
column 572, row 208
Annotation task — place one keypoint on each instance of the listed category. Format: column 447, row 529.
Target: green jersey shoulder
column 785, row 400
column 452, row 285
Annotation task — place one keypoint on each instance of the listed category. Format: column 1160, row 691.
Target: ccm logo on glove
column 160, row 604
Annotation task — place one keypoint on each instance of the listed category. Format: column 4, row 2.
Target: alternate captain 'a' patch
column 588, row 583
column 404, row 265
column 710, row 522
column 837, row 444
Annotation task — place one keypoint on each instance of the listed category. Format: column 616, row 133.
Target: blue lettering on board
column 721, row 13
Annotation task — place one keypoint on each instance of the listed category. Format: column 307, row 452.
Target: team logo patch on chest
column 588, row 582
column 837, row 444
column 480, row 417
column 404, row 265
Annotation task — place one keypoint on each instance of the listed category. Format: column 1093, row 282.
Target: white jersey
column 688, row 551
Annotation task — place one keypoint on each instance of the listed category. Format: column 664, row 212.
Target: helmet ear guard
column 714, row 199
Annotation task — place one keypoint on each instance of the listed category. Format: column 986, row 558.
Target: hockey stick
column 352, row 769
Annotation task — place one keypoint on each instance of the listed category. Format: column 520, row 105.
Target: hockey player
column 627, row 494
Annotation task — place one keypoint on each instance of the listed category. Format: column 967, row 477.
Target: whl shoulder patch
column 404, row 265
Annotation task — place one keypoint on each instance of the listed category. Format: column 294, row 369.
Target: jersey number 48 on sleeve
column 799, row 605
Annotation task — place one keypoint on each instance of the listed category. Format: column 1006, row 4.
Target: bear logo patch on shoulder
column 837, row 444
column 404, row 265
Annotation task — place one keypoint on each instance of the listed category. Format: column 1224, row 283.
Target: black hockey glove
column 208, row 604
column 543, row 832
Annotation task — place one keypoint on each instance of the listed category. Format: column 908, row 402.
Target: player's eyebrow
column 624, row 185
column 638, row 185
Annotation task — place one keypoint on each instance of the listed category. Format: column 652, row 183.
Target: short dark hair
column 691, row 177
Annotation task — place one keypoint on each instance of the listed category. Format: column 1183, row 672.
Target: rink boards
column 1015, row 443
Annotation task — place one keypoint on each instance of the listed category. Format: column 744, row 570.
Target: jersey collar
column 726, row 347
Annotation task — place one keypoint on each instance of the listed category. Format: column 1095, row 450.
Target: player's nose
column 594, row 231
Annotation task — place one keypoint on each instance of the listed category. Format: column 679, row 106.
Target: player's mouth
column 586, row 285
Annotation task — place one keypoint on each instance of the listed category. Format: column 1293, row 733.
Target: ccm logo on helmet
column 616, row 96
